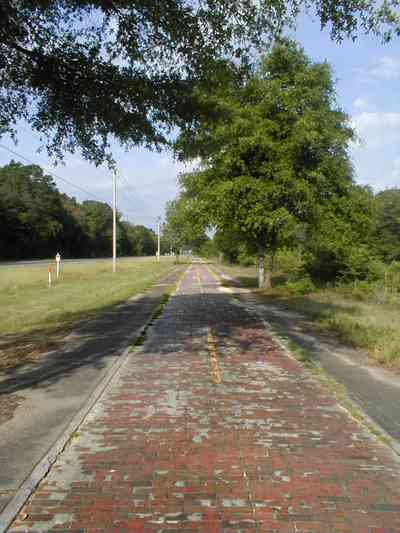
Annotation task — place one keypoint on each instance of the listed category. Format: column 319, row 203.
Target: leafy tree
column 273, row 153
column 388, row 224
column 228, row 244
column 74, row 242
column 80, row 71
column 183, row 228
column 341, row 242
column 208, row 249
column 143, row 240
column 98, row 227
column 31, row 209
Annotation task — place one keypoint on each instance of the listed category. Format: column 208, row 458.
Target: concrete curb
column 40, row 471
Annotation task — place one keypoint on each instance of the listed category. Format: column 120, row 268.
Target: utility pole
column 158, row 237
column 115, row 221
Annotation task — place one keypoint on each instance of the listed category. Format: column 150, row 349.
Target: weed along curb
column 139, row 341
column 43, row 467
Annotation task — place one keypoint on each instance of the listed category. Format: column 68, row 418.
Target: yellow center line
column 212, row 350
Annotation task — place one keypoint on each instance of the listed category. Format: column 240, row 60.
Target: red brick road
column 211, row 427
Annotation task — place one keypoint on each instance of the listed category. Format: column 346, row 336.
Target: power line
column 71, row 184
column 127, row 184
column 148, row 217
column 51, row 172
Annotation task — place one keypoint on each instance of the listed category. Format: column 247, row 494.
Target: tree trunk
column 264, row 277
column 271, row 262
column 268, row 275
column 261, row 272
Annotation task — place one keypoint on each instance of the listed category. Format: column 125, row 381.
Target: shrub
column 290, row 262
column 303, row 285
column 245, row 259
column 392, row 280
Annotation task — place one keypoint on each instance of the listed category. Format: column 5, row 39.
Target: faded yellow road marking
column 214, row 364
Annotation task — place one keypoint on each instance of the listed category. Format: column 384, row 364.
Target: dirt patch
column 8, row 405
column 20, row 349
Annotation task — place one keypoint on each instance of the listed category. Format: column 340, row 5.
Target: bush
column 245, row 259
column 392, row 280
column 301, row 286
column 346, row 264
column 290, row 262
column 358, row 264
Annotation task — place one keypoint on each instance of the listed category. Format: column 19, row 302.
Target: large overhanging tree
column 84, row 71
column 273, row 152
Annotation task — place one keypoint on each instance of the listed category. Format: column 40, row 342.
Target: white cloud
column 387, row 68
column 395, row 174
column 361, row 104
column 376, row 156
column 377, row 128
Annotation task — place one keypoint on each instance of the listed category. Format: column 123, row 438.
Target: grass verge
column 369, row 325
column 35, row 318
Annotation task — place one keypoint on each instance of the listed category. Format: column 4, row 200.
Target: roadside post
column 49, row 270
column 114, row 236
column 58, row 261
column 158, row 253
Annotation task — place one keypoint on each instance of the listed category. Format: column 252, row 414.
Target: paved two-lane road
column 45, row 262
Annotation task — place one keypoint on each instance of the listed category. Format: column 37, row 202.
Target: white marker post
column 158, row 253
column 58, row 261
column 114, row 237
column 49, row 269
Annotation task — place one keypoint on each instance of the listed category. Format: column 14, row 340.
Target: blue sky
column 368, row 89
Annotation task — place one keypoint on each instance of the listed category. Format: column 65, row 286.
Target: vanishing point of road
column 212, row 427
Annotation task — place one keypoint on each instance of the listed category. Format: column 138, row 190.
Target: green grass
column 34, row 317
column 369, row 325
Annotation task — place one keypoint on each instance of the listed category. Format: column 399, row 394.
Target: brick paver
column 211, row 427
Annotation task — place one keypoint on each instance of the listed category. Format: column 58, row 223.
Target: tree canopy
column 388, row 224
column 183, row 228
column 273, row 153
column 84, row 71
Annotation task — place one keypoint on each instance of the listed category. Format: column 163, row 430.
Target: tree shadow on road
column 96, row 341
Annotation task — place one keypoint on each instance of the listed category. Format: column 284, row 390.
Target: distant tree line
column 37, row 221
